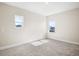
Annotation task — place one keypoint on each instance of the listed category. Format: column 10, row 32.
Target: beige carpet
column 51, row 48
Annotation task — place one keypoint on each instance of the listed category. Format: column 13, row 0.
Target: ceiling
column 45, row 8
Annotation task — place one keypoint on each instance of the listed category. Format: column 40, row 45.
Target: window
column 51, row 26
column 19, row 20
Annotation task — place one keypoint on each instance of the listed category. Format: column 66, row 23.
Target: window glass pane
column 51, row 26
column 19, row 20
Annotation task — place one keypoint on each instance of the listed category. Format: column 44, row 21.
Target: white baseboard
column 17, row 44
column 14, row 45
column 76, row 43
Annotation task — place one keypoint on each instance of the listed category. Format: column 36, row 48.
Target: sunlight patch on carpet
column 38, row 43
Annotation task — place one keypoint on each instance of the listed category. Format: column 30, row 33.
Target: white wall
column 67, row 26
column 33, row 29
